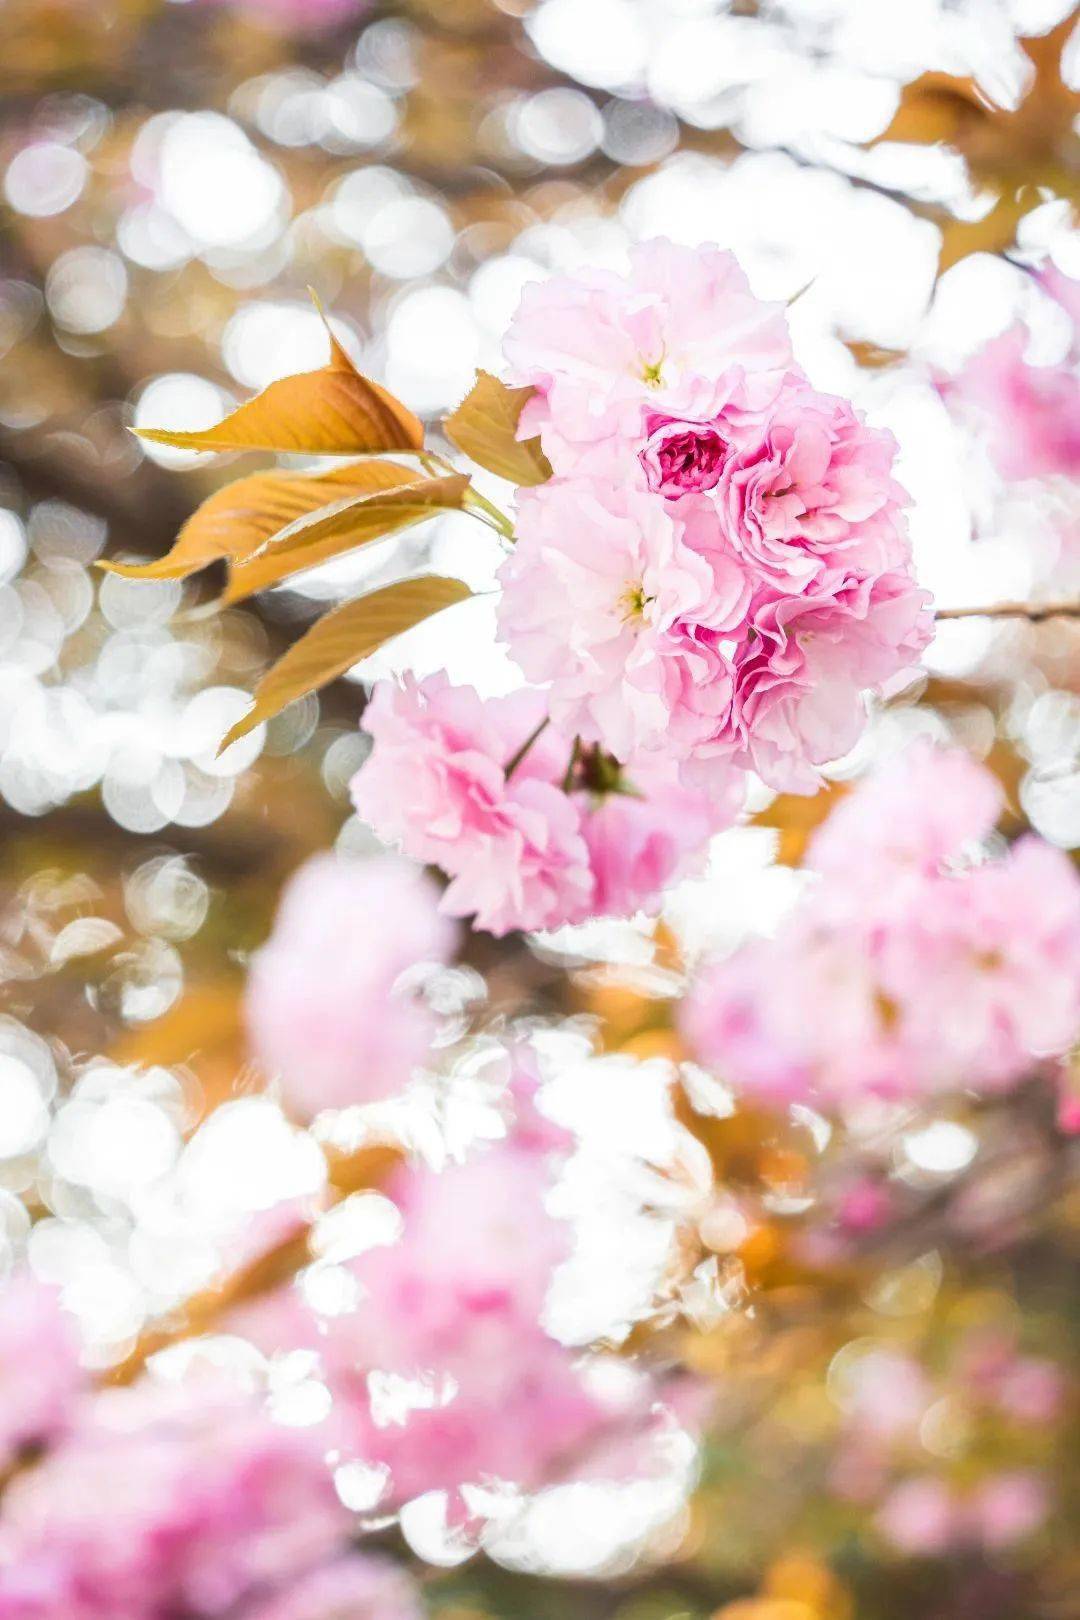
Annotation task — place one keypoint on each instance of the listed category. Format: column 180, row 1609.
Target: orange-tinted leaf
column 343, row 638
column 237, row 520
column 341, row 527
column 484, row 427
column 332, row 411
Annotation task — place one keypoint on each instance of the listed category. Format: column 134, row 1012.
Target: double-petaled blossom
column 720, row 572
column 533, row 832
column 167, row 1501
column 680, row 338
column 329, row 1003
column 910, row 967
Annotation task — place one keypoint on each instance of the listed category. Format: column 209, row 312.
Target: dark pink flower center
column 684, row 458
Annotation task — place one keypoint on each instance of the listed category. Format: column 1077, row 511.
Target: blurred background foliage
column 174, row 177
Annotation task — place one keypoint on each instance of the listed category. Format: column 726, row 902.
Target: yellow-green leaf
column 343, row 526
column 484, row 427
column 236, row 521
column 343, row 638
column 332, row 411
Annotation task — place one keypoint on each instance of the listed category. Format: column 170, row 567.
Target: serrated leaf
column 238, row 520
column 342, row 639
column 332, row 411
column 341, row 527
column 484, row 427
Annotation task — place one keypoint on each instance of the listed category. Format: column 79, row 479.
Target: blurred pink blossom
column 162, row 1501
column 906, row 975
column 1028, row 415
column 920, row 1516
column 41, row 1376
column 324, row 1004
column 357, row 1587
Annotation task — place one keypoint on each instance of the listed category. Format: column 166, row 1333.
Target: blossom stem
column 473, row 499
column 1035, row 613
column 512, row 764
column 575, row 754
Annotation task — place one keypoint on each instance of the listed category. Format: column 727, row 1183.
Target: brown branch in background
column 1033, row 612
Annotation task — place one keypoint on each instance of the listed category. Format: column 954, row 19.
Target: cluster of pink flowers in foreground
column 185, row 1500
column 330, row 1004
column 912, row 964
column 443, row 1375
column 531, row 841
column 711, row 584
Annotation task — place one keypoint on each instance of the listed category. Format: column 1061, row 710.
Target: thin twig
column 512, row 764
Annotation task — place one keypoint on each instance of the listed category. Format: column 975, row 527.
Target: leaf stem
column 515, row 760
column 473, row 498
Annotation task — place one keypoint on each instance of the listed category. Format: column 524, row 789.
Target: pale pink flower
column 436, row 783
column 41, row 1375
column 166, row 1501
column 620, row 607
column 325, row 1004
column 808, row 494
column 1008, row 1507
column 357, row 1587
column 1028, row 415
column 680, row 336
column 797, row 688
column 926, row 806
column 921, row 1516
column 643, row 841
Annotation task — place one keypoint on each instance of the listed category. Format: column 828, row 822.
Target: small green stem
column 512, row 764
column 575, row 754
column 479, row 503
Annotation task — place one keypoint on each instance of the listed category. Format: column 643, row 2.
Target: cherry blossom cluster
column 715, row 577
column 442, row 1375
column 917, row 961
column 186, row 1500
column 534, row 830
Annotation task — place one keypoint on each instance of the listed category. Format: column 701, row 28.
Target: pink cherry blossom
column 620, row 607
column 808, row 492
column 1028, row 415
column 905, row 980
column 326, row 1008
column 680, row 336
column 925, row 807
column 535, row 839
column 444, row 1375
column 920, row 1516
column 166, row 1500
column 1008, row 1507
column 641, row 842
column 357, row 1587
column 41, row 1375
column 437, row 784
